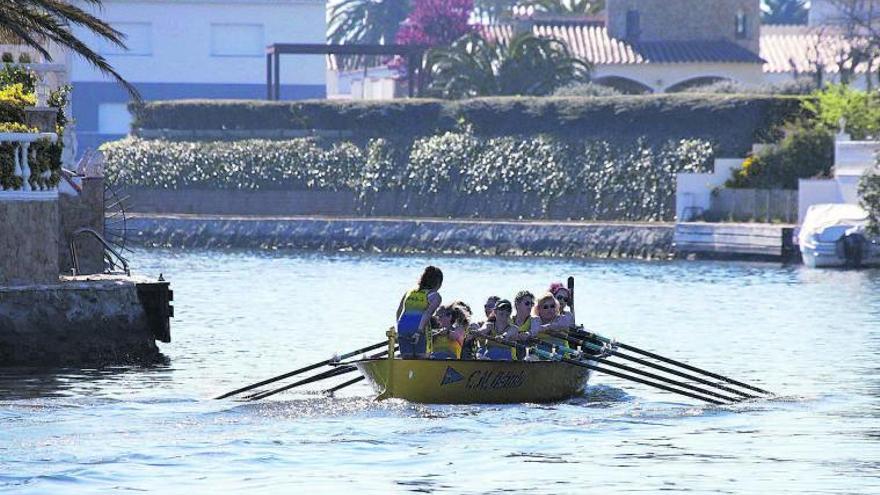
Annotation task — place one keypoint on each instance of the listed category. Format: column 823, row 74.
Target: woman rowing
column 527, row 324
column 499, row 331
column 414, row 314
column 448, row 339
column 566, row 309
column 553, row 331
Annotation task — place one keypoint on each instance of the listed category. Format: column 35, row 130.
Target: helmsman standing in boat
column 414, row 315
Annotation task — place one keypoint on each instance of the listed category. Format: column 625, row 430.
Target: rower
column 448, row 338
column 553, row 331
column 500, row 329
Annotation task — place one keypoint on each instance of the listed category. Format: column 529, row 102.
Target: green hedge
column 869, row 194
column 731, row 122
column 634, row 182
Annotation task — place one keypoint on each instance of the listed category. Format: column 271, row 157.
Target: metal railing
column 112, row 257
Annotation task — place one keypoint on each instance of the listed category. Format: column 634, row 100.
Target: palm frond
column 36, row 21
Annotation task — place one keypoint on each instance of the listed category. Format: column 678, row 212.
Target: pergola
column 412, row 54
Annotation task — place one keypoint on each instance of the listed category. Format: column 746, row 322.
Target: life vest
column 415, row 303
column 445, row 345
column 496, row 350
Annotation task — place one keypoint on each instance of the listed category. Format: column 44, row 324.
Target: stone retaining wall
column 77, row 322
column 507, row 238
column 378, row 204
column 28, row 241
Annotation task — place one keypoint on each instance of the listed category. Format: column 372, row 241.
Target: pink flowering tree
column 436, row 22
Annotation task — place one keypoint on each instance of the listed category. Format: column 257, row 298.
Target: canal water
column 812, row 336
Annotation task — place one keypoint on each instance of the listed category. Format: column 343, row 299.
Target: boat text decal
column 451, row 376
column 495, row 380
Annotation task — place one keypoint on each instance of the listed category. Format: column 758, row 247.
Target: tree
column 869, row 197
column 784, row 12
column 494, row 11
column 526, row 65
column 857, row 23
column 36, row 22
column 366, row 21
column 436, row 22
column 568, row 7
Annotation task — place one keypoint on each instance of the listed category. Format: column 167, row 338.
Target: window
column 113, row 118
column 741, row 25
column 237, row 40
column 633, row 24
column 138, row 38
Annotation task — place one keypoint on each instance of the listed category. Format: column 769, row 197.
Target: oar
column 585, row 344
column 302, row 370
column 566, row 350
column 661, row 386
column 331, row 391
column 571, row 297
column 628, row 377
column 605, row 340
column 340, row 370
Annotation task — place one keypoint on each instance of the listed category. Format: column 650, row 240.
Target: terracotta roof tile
column 592, row 43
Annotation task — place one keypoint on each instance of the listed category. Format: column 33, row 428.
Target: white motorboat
column 836, row 235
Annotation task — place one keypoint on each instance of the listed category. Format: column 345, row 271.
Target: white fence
column 23, row 155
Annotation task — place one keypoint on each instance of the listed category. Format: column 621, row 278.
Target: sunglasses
column 528, row 303
column 549, row 306
column 562, row 299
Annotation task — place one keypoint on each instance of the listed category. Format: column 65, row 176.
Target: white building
column 193, row 49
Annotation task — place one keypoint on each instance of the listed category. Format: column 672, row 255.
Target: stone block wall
column 77, row 322
column 85, row 210
column 28, row 242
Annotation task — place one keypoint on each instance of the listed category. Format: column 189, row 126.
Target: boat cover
column 830, row 222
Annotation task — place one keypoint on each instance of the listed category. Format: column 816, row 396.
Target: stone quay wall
column 76, row 322
column 405, row 235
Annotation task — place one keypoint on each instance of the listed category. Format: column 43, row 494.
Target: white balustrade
column 22, row 156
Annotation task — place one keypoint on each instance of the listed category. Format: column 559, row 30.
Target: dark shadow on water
column 21, row 383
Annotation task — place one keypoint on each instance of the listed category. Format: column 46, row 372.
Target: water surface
column 814, row 336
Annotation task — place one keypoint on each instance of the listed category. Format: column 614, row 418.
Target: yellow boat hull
column 474, row 382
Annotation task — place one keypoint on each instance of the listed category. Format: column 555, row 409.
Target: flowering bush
column 454, row 172
column 806, row 151
column 869, row 195
column 436, row 22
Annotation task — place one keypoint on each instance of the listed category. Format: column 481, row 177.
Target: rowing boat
column 433, row 381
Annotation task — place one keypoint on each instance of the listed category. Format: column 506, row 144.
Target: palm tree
column 36, row 22
column 366, row 21
column 526, row 65
column 568, row 7
column 784, row 12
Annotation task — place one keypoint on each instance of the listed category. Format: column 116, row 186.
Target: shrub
column 806, row 151
column 861, row 110
column 731, row 123
column 634, row 182
column 800, row 86
column 16, row 74
column 869, row 196
column 587, row 90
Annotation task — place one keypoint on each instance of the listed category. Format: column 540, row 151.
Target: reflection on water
column 814, row 336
